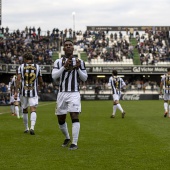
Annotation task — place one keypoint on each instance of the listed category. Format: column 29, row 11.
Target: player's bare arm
column 161, row 87
column 17, row 85
column 40, row 82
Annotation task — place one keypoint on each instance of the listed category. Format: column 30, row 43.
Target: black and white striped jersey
column 116, row 83
column 68, row 79
column 166, row 83
column 13, row 81
column 29, row 79
column 12, row 85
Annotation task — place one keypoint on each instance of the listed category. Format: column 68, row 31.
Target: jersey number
column 29, row 78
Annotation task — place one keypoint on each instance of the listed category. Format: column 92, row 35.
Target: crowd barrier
column 5, row 97
column 52, row 97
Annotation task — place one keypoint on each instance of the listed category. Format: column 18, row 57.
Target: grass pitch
column 140, row 141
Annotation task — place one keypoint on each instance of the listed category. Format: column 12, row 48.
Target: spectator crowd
column 152, row 46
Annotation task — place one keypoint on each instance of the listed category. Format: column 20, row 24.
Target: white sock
column 17, row 111
column 75, row 132
column 21, row 111
column 33, row 119
column 166, row 107
column 12, row 109
column 120, row 107
column 64, row 130
column 114, row 109
column 25, row 120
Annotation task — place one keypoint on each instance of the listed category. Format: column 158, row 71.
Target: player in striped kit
column 11, row 91
column 28, row 78
column 16, row 101
column 69, row 71
column 165, row 86
column 116, row 83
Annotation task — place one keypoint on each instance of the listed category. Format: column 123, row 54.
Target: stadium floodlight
column 73, row 14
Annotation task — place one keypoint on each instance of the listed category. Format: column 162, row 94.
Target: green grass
column 140, row 141
column 55, row 56
column 136, row 59
column 83, row 56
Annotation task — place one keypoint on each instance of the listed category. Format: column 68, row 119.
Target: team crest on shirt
column 115, row 80
column 167, row 80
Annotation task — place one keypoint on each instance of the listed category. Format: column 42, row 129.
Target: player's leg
column 25, row 120
column 114, row 106
column 114, row 110
column 120, row 107
column 24, row 105
column 74, row 107
column 33, row 102
column 61, row 111
column 20, row 111
column 168, row 105
column 165, row 105
column 12, row 107
column 64, row 129
column 75, row 130
column 20, row 106
column 16, row 103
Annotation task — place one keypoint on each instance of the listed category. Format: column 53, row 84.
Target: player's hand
column 78, row 63
column 68, row 62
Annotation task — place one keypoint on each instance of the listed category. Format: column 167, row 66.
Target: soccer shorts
column 166, row 96
column 116, row 97
column 68, row 102
column 29, row 101
column 12, row 100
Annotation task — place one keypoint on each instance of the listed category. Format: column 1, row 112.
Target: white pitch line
column 38, row 106
column 3, row 113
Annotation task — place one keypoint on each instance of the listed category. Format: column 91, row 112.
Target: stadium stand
column 98, row 47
